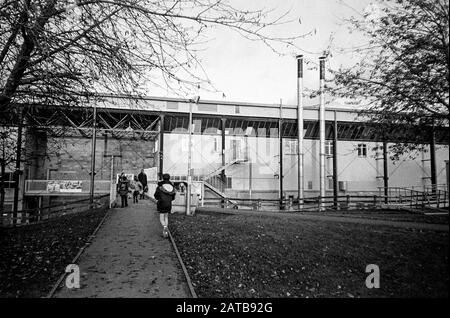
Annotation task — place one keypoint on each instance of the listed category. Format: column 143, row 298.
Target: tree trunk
column 2, row 187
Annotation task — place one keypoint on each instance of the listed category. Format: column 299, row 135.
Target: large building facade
column 238, row 149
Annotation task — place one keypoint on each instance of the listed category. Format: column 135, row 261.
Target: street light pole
column 94, row 138
column 280, row 135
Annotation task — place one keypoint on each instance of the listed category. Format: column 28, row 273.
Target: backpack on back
column 123, row 186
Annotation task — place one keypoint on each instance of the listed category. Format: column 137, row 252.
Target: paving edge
column 80, row 252
column 186, row 274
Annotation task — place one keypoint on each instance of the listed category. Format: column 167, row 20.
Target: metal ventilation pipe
column 322, row 131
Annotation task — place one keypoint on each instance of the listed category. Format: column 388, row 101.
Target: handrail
column 39, row 214
column 441, row 200
column 56, row 205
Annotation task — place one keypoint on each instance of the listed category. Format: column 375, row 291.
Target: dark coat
column 122, row 187
column 165, row 194
column 142, row 177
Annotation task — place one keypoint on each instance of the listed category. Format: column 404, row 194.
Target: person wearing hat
column 165, row 194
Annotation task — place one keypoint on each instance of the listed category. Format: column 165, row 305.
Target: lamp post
column 280, row 136
column 94, row 136
column 189, row 172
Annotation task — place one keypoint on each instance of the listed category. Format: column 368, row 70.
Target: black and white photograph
column 224, row 156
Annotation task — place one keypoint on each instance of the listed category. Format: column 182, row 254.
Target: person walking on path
column 165, row 194
column 143, row 180
column 137, row 189
column 122, row 189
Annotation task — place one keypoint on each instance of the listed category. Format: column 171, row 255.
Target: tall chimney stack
column 322, row 131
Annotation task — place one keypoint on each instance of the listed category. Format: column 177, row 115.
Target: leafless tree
column 54, row 51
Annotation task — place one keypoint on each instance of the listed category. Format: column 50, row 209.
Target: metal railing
column 38, row 214
column 311, row 203
column 441, row 187
column 418, row 201
column 415, row 199
column 217, row 182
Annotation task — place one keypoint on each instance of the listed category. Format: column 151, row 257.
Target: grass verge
column 33, row 257
column 264, row 256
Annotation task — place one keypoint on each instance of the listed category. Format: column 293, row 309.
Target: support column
column 300, row 155
column 250, row 176
column 223, row 177
column 17, row 171
column 433, row 161
column 189, row 170
column 161, row 147
column 280, row 134
column 322, row 131
column 385, row 172
column 222, row 173
column 335, row 170
column 111, row 189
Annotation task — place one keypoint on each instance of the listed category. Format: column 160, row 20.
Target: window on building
column 290, row 147
column 330, row 183
column 237, row 109
column 197, row 126
column 207, row 107
column 217, row 144
column 172, row 105
column 362, row 150
column 236, row 149
column 310, row 185
column 8, row 179
column 328, row 148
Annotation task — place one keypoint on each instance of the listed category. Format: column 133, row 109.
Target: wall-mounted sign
column 68, row 186
column 152, row 173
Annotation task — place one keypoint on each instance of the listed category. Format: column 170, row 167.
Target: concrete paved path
column 129, row 258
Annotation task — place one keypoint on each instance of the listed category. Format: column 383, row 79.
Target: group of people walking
column 137, row 187
column 164, row 195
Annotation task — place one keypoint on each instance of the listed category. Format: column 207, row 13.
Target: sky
column 248, row 71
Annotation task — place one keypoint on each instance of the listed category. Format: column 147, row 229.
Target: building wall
column 360, row 174
column 69, row 158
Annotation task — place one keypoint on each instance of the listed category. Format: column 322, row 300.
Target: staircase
column 215, row 183
column 228, row 202
column 218, row 170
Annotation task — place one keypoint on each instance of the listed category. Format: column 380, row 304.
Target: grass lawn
column 264, row 256
column 391, row 215
column 33, row 257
